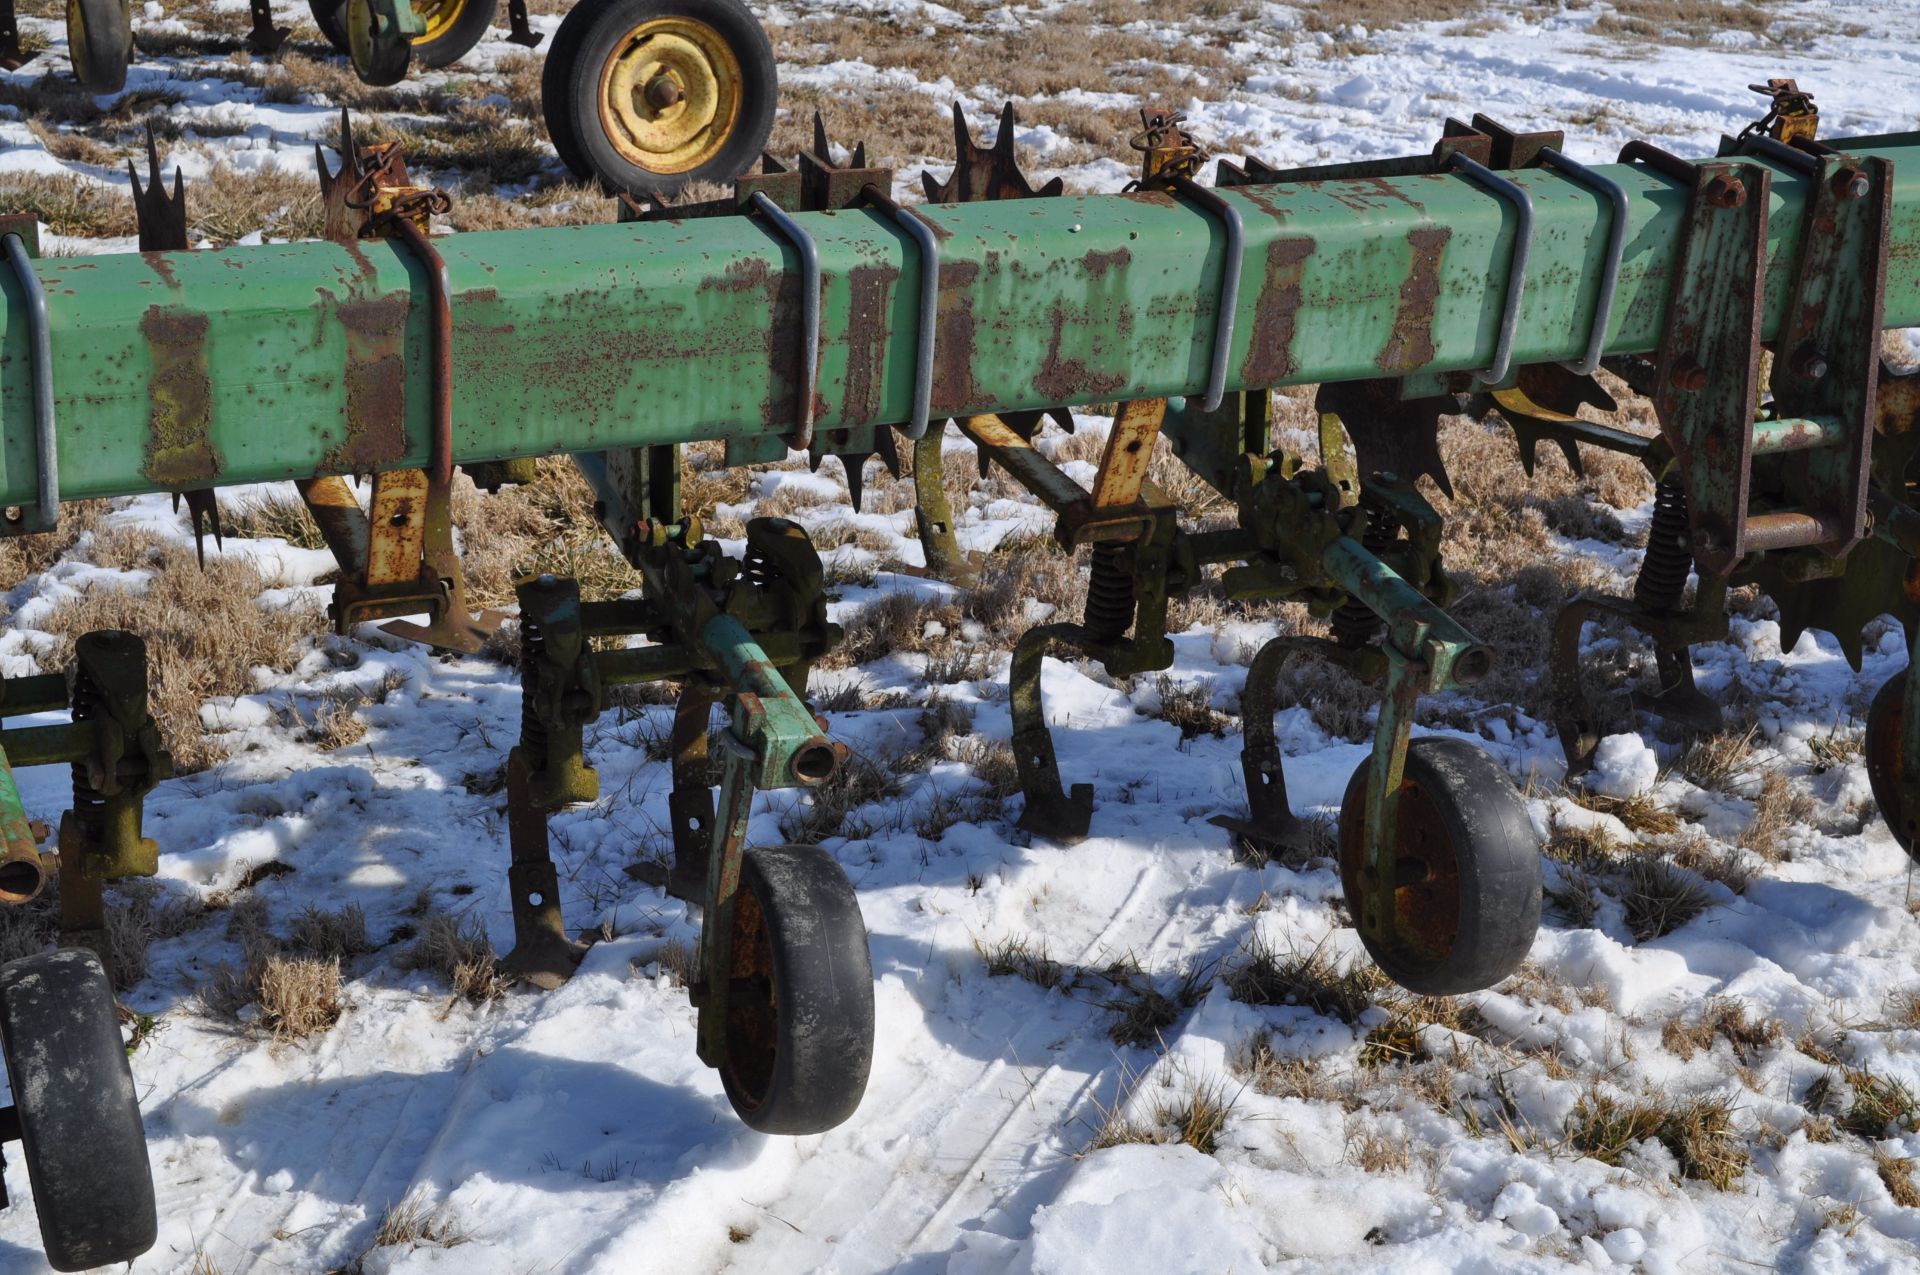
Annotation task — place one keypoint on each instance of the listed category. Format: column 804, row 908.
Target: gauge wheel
column 453, row 27
column 1886, row 723
column 800, row 994
column 331, row 17
column 100, row 43
column 644, row 96
column 1467, row 872
column 73, row 1095
column 375, row 44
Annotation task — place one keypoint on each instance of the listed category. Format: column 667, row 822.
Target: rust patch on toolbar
column 180, row 450
column 1063, row 380
column 953, row 339
column 1410, row 343
column 1276, row 314
column 867, row 336
column 376, row 381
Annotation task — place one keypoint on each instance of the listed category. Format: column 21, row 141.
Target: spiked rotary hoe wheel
column 645, row 96
column 100, row 42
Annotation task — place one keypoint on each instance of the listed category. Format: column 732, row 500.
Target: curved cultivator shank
column 809, row 309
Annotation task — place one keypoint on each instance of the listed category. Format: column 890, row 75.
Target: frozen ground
column 575, row 1131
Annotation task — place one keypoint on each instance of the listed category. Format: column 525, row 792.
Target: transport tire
column 80, row 1130
column 1467, row 897
column 376, row 48
column 644, row 96
column 453, row 27
column 100, row 43
column 1886, row 722
column 800, row 999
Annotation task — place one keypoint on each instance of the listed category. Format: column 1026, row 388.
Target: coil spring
column 1663, row 572
column 89, row 807
column 1109, row 593
column 1353, row 623
column 533, row 731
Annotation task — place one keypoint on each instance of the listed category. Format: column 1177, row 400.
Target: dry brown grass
column 1698, row 1132
column 1896, row 1174
column 293, row 997
column 1778, row 810
column 1659, row 899
column 1722, row 1019
column 414, row 1223
column 457, row 950
column 1682, row 21
column 204, row 633
column 335, row 936
column 1187, row 1110
column 1262, row 975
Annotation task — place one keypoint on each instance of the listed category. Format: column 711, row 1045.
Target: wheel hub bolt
column 663, row 91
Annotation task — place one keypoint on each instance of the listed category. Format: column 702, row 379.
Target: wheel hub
column 670, row 95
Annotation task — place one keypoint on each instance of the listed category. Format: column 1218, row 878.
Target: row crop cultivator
column 1744, row 295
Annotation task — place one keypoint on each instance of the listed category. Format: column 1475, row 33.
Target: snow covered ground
column 1728, row 1093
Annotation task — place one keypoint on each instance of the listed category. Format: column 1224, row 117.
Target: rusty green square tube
column 178, row 370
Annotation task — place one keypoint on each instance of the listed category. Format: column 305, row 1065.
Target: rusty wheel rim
column 670, row 94
column 1426, row 899
column 752, row 1009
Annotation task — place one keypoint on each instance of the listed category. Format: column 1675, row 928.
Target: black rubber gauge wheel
column 375, row 46
column 1886, row 722
column 79, row 1120
column 644, row 96
column 800, row 998
column 100, row 43
column 1466, row 867
column 453, row 27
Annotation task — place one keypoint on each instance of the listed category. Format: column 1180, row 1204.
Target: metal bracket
column 1616, row 248
column 1522, row 205
column 929, row 316
column 1229, row 304
column 797, row 235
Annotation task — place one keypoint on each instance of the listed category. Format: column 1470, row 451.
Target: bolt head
column 1724, row 192
column 1810, row 363
column 1851, row 184
column 1688, row 374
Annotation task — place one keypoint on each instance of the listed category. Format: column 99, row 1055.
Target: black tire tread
column 1499, row 861
column 81, row 1135
column 476, row 16
column 109, row 25
column 825, row 980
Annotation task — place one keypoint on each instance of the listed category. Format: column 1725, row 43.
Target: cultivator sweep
column 1743, row 295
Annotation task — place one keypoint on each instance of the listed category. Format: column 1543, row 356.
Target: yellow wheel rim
column 670, row 94
column 438, row 18
column 359, row 34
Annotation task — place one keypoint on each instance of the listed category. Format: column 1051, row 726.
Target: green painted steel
column 188, row 369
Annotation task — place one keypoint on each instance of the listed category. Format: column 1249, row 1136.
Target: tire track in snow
column 871, row 1194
